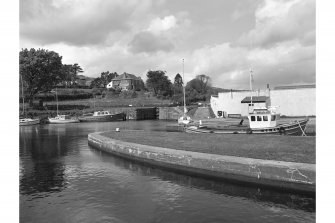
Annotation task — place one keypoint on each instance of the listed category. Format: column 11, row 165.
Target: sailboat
column 61, row 119
column 185, row 119
column 26, row 121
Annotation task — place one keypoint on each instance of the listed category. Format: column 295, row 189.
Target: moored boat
column 185, row 119
column 102, row 116
column 29, row 121
column 24, row 120
column 62, row 119
column 260, row 122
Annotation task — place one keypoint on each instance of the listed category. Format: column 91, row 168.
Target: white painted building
column 291, row 101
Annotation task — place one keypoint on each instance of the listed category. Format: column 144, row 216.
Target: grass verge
column 281, row 148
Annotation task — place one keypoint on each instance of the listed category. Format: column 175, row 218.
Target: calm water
column 62, row 179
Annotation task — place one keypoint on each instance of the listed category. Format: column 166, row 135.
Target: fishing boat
column 262, row 120
column 24, row 120
column 61, row 119
column 102, row 116
column 185, row 119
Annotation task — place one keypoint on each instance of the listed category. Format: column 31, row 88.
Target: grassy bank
column 282, row 148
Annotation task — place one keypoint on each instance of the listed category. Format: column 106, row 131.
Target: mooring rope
column 303, row 132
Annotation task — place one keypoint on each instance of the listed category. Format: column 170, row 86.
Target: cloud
column 228, row 65
column 135, row 36
column 159, row 25
column 150, row 43
column 77, row 22
column 279, row 21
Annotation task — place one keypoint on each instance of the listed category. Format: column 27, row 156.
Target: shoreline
column 282, row 175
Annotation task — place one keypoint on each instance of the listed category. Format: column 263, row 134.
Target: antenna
column 184, row 89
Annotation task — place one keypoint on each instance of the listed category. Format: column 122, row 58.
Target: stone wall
column 170, row 113
column 283, row 175
column 137, row 113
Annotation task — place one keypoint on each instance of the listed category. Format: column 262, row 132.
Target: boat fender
column 282, row 131
column 249, row 131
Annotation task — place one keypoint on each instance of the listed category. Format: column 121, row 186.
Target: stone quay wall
column 289, row 176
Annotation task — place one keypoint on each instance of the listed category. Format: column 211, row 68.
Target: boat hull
column 57, row 121
column 293, row 128
column 32, row 122
column 104, row 118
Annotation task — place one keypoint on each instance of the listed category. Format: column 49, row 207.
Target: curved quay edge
column 288, row 176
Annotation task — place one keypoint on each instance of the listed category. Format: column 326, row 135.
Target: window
column 259, row 118
column 273, row 117
column 219, row 113
column 253, row 118
column 251, row 104
column 265, row 118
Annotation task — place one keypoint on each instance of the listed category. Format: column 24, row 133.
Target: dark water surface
column 62, row 179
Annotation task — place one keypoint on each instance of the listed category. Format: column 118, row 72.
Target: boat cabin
column 101, row 113
column 263, row 118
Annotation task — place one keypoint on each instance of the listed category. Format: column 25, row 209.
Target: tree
column 198, row 89
column 107, row 77
column 68, row 74
column 204, row 82
column 96, row 83
column 159, row 83
column 40, row 70
column 77, row 69
column 178, row 80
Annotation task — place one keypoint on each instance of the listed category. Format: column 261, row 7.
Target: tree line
column 41, row 70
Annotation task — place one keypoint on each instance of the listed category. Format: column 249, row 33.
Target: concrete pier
column 289, row 176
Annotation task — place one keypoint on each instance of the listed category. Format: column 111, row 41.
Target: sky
column 221, row 39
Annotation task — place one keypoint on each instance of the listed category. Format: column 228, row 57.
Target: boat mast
column 251, row 80
column 57, row 101
column 22, row 94
column 184, row 89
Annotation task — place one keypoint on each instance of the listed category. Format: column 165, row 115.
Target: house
column 126, row 82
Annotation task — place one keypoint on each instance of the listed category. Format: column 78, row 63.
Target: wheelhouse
column 263, row 118
column 101, row 113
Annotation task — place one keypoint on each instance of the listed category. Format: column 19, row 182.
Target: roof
column 125, row 76
column 255, row 99
column 294, row 86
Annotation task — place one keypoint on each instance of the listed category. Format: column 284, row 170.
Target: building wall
column 291, row 102
column 295, row 102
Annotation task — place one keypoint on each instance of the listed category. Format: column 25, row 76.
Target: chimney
column 267, row 86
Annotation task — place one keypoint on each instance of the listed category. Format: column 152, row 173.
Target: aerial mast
column 184, row 90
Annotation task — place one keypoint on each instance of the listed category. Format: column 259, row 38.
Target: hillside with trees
column 42, row 70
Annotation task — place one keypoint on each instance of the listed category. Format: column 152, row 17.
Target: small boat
column 26, row 121
column 261, row 121
column 29, row 121
column 185, row 119
column 62, row 119
column 102, row 116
